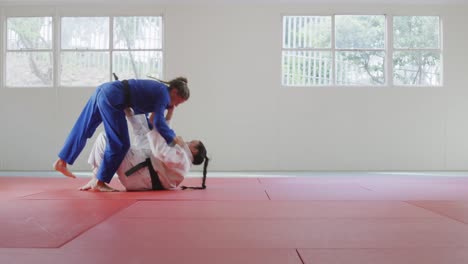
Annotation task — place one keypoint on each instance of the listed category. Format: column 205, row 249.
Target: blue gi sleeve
column 161, row 125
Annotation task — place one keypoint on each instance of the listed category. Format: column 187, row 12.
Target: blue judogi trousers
column 105, row 106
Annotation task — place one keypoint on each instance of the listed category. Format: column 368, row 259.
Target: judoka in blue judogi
column 107, row 106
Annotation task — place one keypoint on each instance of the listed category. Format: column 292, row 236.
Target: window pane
column 29, row 69
column 416, row 68
column 137, row 32
column 29, row 33
column 304, row 68
column 306, row 32
column 360, row 32
column 416, row 32
column 137, row 64
column 84, row 68
column 85, row 33
column 360, row 68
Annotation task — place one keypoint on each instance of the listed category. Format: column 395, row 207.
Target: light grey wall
column 248, row 121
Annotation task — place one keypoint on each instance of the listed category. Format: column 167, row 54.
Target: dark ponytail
column 197, row 160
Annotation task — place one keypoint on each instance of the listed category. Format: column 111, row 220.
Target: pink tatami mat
column 354, row 219
column 419, row 190
column 152, row 255
column 318, row 191
column 218, row 189
column 16, row 187
column 50, row 223
column 364, row 188
column 225, row 182
column 457, row 210
column 274, row 210
column 275, row 233
column 212, row 193
column 385, row 256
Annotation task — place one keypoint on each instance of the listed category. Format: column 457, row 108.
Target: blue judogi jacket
column 145, row 96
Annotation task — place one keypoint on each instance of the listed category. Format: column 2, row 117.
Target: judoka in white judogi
column 172, row 164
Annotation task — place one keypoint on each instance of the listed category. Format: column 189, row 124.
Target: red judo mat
column 325, row 219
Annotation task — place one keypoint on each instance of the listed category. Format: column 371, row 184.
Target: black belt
column 155, row 182
column 128, row 97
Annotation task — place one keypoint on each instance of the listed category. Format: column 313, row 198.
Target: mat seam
column 438, row 213
column 85, row 230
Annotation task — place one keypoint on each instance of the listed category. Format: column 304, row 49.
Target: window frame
column 70, row 50
column 57, row 14
column 440, row 50
column 388, row 50
column 337, row 50
column 6, row 51
column 331, row 50
column 113, row 49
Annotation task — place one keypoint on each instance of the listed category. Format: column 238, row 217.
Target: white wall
column 248, row 121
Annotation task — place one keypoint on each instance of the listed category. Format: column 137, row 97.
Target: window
column 360, row 50
column 29, row 56
column 88, row 50
column 84, row 51
column 307, row 55
column 352, row 50
column 137, row 47
column 416, row 50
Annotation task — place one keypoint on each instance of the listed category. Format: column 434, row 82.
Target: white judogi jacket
column 171, row 163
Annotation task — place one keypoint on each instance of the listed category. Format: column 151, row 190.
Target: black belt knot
column 155, row 181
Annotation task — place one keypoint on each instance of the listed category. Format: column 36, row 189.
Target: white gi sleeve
column 97, row 152
column 172, row 163
column 139, row 128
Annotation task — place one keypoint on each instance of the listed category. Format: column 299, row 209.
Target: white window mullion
column 3, row 48
column 310, row 78
column 303, row 36
column 284, row 36
column 290, row 33
column 441, row 49
column 333, row 52
column 315, row 79
column 294, row 44
column 290, row 45
column 389, row 53
column 163, row 39
column 111, row 48
column 308, row 35
column 56, row 50
column 294, row 61
column 285, row 62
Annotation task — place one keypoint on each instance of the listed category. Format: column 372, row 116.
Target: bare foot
column 61, row 166
column 89, row 185
column 97, row 186
column 103, row 187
